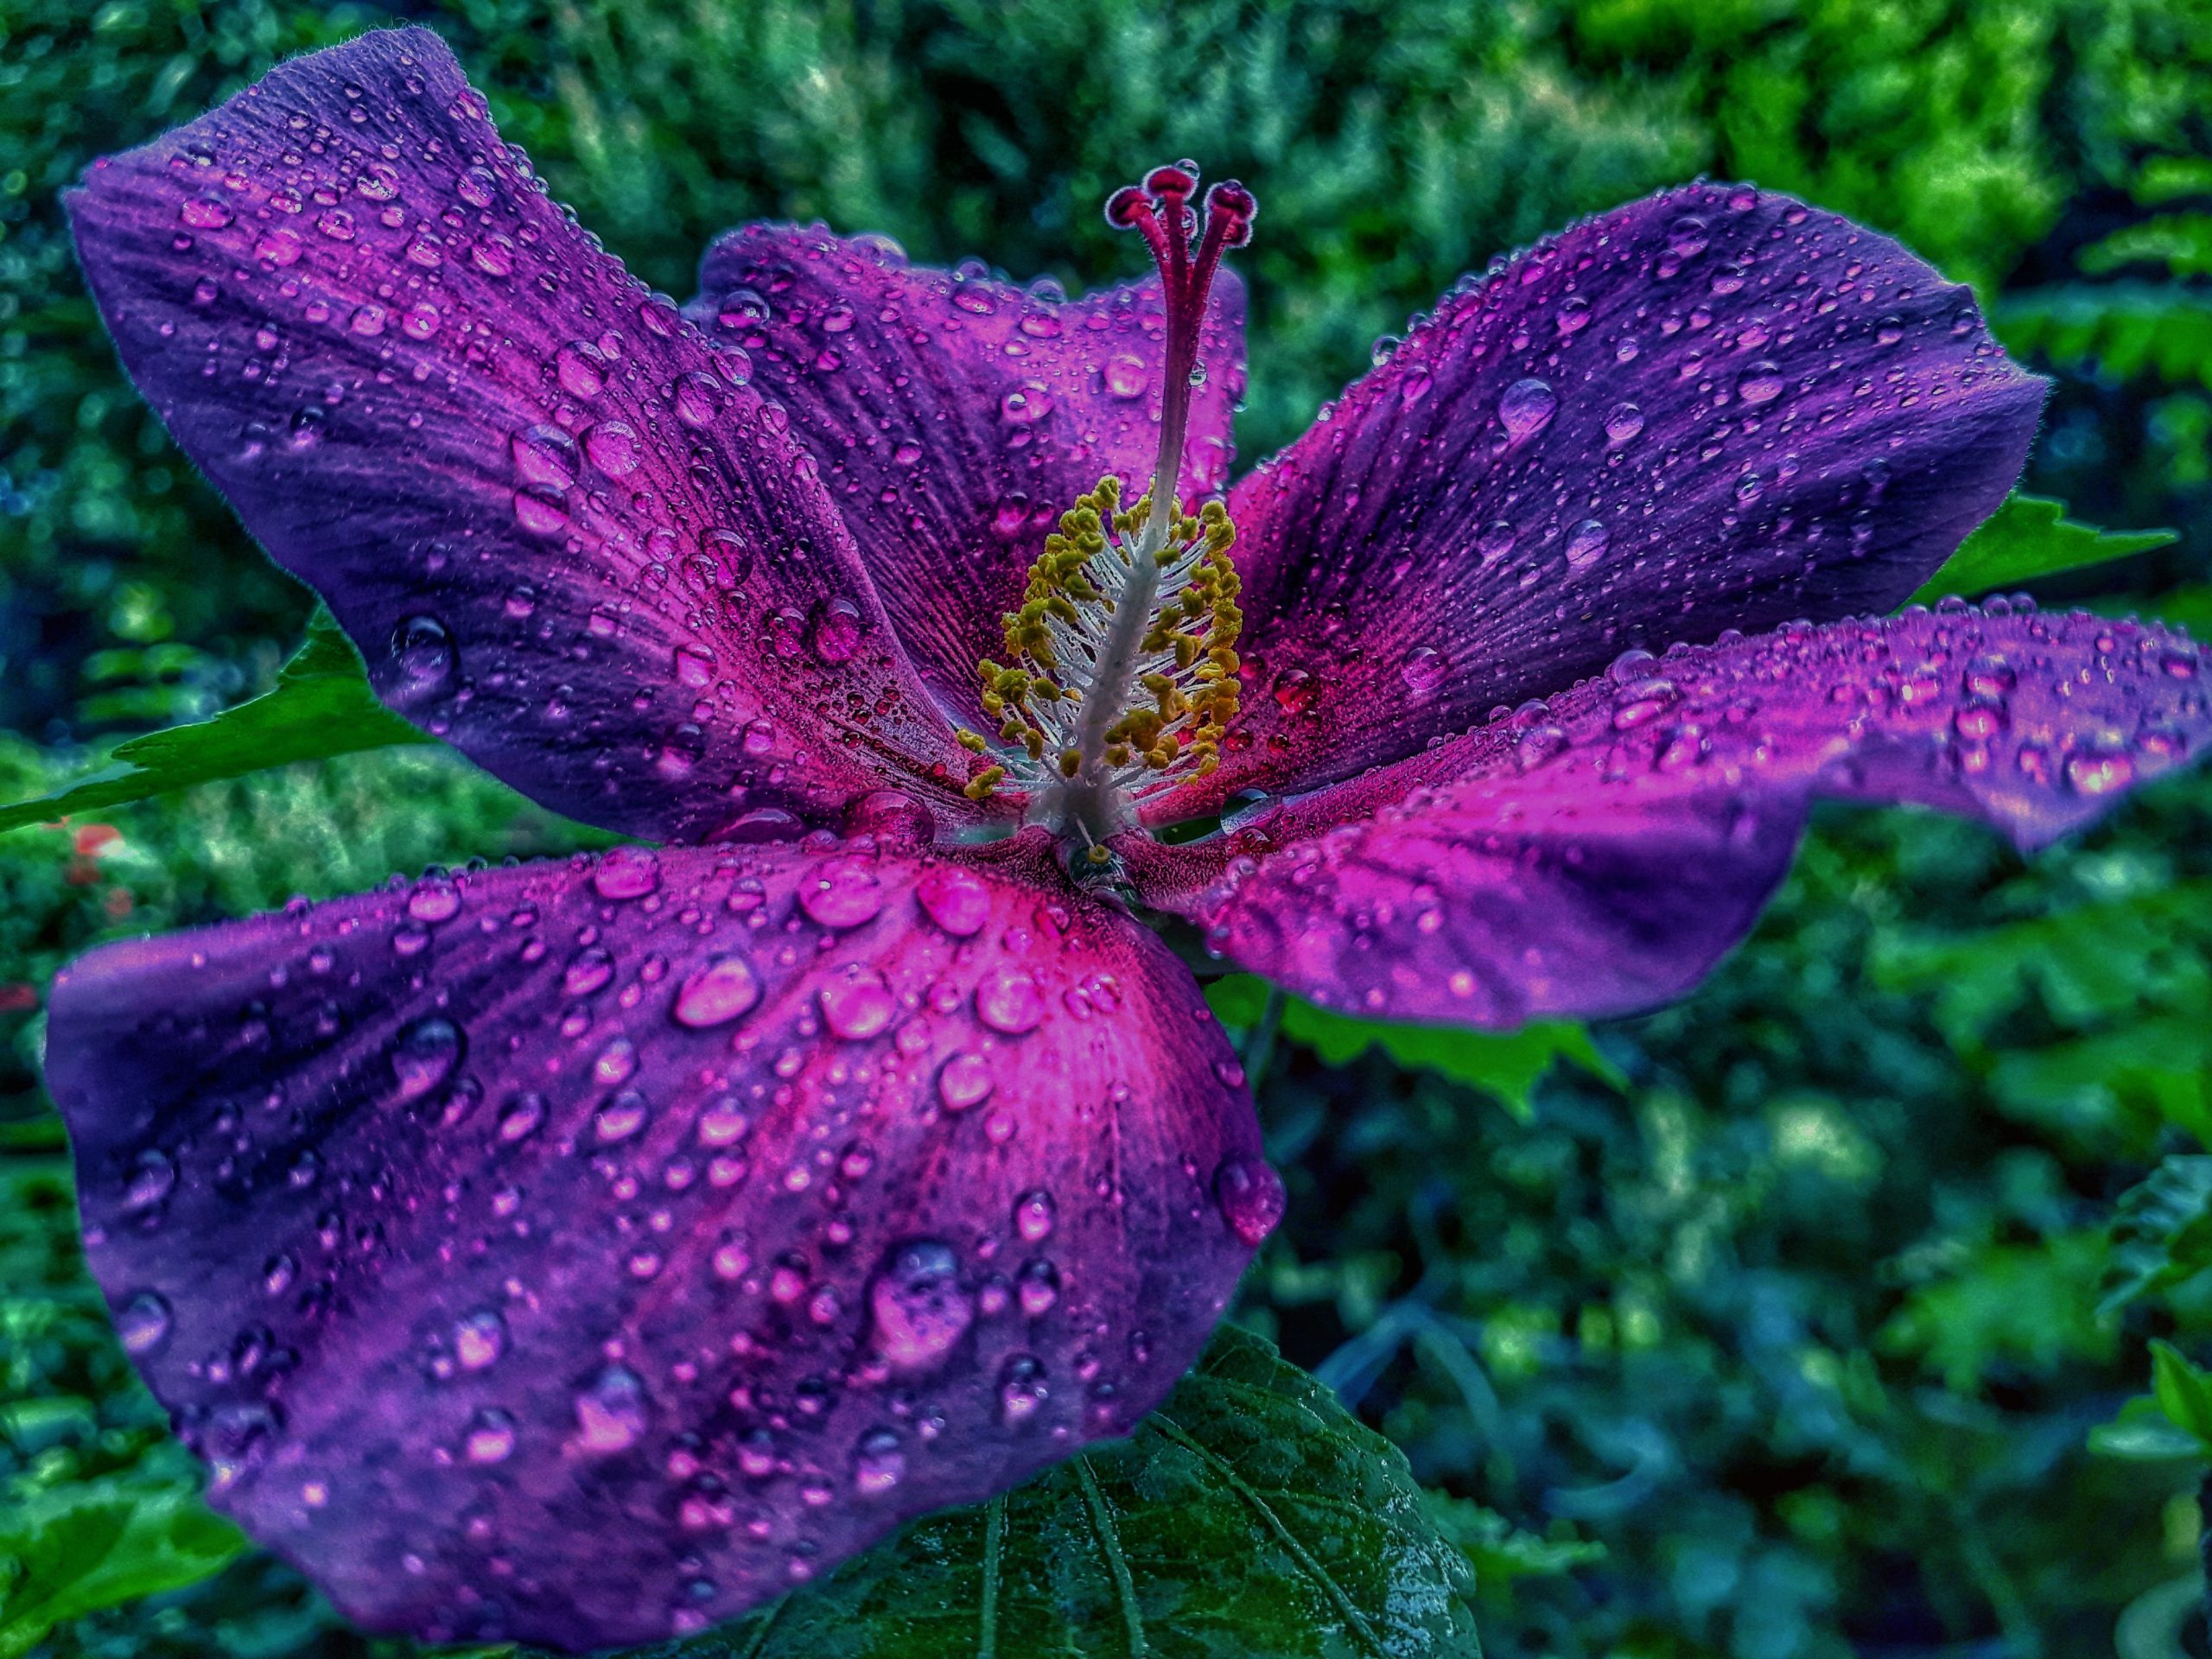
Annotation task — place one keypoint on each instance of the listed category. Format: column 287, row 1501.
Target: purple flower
column 583, row 1251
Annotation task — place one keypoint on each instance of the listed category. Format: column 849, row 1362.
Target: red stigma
column 1160, row 210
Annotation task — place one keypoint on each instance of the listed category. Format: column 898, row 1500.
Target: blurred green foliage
column 1796, row 1321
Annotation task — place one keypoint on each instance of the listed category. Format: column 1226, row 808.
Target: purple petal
column 956, row 416
column 1597, row 855
column 1715, row 408
column 582, row 1252
column 564, row 533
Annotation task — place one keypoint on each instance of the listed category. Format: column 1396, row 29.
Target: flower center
column 1122, row 670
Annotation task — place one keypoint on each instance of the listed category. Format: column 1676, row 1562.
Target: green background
column 1777, row 1327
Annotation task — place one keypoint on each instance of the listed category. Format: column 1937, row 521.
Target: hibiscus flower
column 585, row 1251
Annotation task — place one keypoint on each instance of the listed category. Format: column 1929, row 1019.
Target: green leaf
column 2180, row 242
column 2162, row 1234
column 321, row 705
column 1250, row 1517
column 2125, row 330
column 1500, row 1551
column 75, row 1549
column 2029, row 538
column 1504, row 1064
column 2183, row 1392
column 2141, row 1435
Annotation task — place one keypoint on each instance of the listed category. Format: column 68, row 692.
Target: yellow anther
column 971, row 741
column 1097, row 854
column 980, row 785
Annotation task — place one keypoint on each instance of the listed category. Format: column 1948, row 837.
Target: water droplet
column 842, row 892
column 424, row 1056
column 423, row 655
column 479, row 1339
column 1125, row 377
column 964, row 1080
column 917, row 1306
column 1295, row 690
column 152, row 1177
column 1687, row 235
column 611, row 1412
column 620, row 1118
column 588, row 969
column 1022, row 1391
column 956, row 899
column 858, row 1006
column 1760, row 382
column 625, row 873
column 2105, row 769
column 726, row 987
column 1006, row 999
column 1423, row 670
column 520, row 1117
column 581, row 369
column 1586, row 542
column 1033, row 1214
column 144, row 1323
column 1038, row 1286
column 490, row 1437
column 434, row 899
column 1623, row 422
column 1251, row 1197
column 206, row 214
column 1025, row 405
column 1526, row 409
column 879, row 1463
column 1496, row 541
column 834, row 635
column 613, row 448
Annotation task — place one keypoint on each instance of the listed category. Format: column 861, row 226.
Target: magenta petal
column 956, row 416
column 1597, row 855
column 1714, row 407
column 565, row 534
column 582, row 1252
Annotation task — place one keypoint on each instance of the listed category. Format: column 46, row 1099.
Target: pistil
column 1123, row 664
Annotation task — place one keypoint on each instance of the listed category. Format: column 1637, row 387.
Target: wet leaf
column 321, row 705
column 2027, row 539
column 1506, row 1064
column 2183, row 1392
column 2163, row 1233
column 75, row 1549
column 1250, row 1517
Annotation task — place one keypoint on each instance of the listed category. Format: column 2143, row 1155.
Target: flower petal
column 1714, row 407
column 583, row 1252
column 564, row 534
column 1597, row 855
column 956, row 416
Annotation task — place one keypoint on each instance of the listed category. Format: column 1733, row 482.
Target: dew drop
column 611, row 1412
column 956, row 899
column 879, row 1463
column 424, row 1056
column 1034, row 1215
column 1586, row 542
column 1022, row 1391
column 917, row 1307
column 842, row 892
column 1006, row 999
column 1251, row 1197
column 490, row 1437
column 1760, row 382
column 424, row 659
column 625, row 873
column 964, row 1080
column 858, row 1006
column 1526, row 409
column 1623, row 422
column 717, row 993
column 144, row 1323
